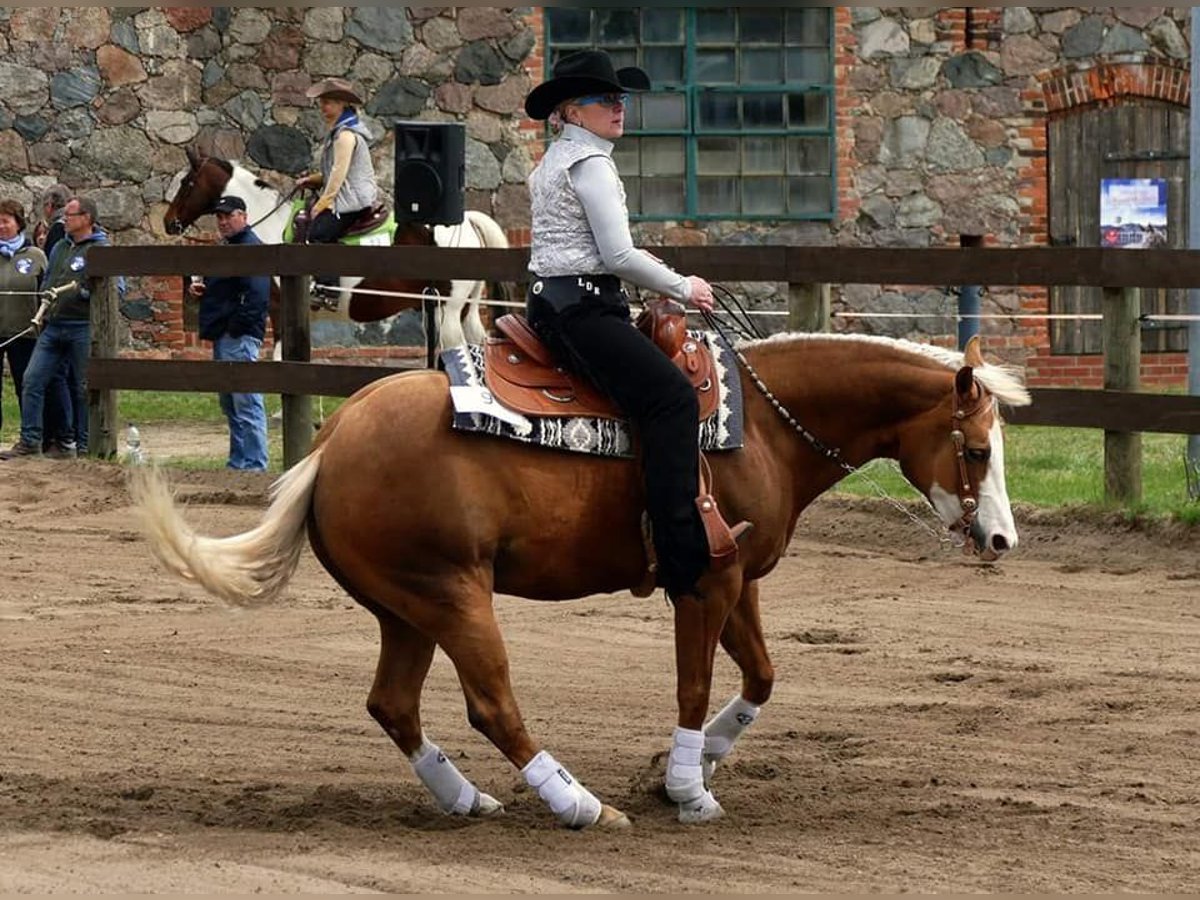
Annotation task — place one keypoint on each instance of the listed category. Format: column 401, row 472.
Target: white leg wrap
column 454, row 794
column 723, row 730
column 685, row 778
column 575, row 805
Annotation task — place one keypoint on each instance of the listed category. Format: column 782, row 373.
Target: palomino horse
column 422, row 524
column 197, row 188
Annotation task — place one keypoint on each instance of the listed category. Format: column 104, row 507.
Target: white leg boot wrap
column 454, row 794
column 723, row 730
column 685, row 778
column 575, row 805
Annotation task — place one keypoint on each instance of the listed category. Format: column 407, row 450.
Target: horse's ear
column 193, row 156
column 964, row 381
column 972, row 354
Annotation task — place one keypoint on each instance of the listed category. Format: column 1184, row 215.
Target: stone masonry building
column 849, row 126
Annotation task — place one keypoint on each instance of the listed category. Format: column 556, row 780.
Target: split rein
column 968, row 496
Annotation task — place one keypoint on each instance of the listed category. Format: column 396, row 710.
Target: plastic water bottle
column 133, row 446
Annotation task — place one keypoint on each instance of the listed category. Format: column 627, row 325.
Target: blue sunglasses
column 604, row 99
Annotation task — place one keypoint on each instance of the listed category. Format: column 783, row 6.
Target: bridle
column 968, row 495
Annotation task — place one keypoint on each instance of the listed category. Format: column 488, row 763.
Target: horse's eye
column 978, row 454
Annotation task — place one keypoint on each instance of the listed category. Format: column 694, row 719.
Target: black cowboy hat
column 579, row 74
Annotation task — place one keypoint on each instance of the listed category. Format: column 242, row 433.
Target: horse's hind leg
column 395, row 703
column 473, row 642
column 743, row 640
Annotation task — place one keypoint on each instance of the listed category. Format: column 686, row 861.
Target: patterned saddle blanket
column 509, row 389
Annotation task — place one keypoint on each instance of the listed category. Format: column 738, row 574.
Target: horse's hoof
column 486, row 805
column 703, row 809
column 611, row 817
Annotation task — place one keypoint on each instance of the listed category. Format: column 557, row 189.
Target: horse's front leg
column 698, row 626
column 743, row 640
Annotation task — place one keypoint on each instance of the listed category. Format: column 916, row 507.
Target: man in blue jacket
column 233, row 315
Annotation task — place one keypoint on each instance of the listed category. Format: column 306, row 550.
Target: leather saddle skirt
column 521, row 374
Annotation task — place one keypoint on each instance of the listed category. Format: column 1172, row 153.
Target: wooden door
column 1138, row 139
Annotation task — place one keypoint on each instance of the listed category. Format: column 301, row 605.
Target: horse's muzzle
column 174, row 226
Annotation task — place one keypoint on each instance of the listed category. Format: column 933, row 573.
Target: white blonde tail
column 248, row 569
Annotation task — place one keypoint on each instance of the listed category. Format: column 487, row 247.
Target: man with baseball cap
column 233, row 313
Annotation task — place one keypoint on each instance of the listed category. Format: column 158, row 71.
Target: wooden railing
column 1119, row 409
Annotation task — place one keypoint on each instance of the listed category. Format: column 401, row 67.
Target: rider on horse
column 347, row 175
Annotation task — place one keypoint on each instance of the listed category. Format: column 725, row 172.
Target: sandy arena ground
column 938, row 724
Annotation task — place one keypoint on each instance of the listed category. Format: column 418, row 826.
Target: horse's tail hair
column 248, row 569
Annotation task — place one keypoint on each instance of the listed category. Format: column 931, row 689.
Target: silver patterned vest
column 359, row 190
column 562, row 241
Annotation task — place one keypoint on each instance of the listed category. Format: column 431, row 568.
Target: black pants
column 326, row 229
column 592, row 336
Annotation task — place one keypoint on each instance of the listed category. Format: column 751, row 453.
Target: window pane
column 568, row 26
column 662, row 25
column 719, row 195
column 808, row 110
column 633, row 195
column 718, row 111
column 622, row 57
column 717, row 156
column 659, row 111
column 715, row 26
column 663, row 156
column 809, row 156
column 809, row 27
column 808, row 65
column 763, row 196
column 809, row 195
column 762, row 110
column 763, row 156
column 664, row 65
column 627, row 157
column 716, row 66
column 662, row 196
column 762, row 67
column 761, row 26
column 617, row 26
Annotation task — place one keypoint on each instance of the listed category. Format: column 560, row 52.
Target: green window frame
column 740, row 123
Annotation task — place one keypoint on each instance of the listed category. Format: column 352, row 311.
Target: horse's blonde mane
column 1004, row 382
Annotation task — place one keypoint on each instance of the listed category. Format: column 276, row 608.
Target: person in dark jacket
column 66, row 335
column 233, row 315
column 21, row 268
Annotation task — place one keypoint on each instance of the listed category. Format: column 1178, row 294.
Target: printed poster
column 1133, row 213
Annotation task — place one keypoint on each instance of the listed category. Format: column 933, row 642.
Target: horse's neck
column 853, row 397
column 266, row 211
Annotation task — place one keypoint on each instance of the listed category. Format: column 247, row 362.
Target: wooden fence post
column 105, row 315
column 808, row 307
column 297, row 347
column 1122, row 372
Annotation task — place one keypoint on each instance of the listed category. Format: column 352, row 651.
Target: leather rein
column 968, row 495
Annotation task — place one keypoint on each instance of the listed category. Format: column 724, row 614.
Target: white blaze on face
column 994, row 529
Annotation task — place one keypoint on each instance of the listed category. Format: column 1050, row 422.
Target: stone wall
column 105, row 99
column 943, row 116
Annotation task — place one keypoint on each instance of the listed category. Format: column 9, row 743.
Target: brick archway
column 1065, row 90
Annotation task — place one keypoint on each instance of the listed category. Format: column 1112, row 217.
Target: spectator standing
column 22, row 266
column 233, row 315
column 66, row 334
column 50, row 228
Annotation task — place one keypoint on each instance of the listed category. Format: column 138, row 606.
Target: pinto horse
column 422, row 524
column 197, row 188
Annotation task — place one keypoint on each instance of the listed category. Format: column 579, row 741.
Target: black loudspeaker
column 431, row 172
